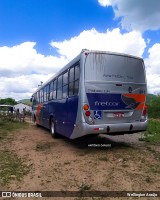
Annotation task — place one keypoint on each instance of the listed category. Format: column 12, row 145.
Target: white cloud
column 24, row 59
column 153, row 69
column 153, row 60
column 136, row 14
column 22, row 69
column 114, row 40
column 21, row 86
column 105, row 2
column 153, row 81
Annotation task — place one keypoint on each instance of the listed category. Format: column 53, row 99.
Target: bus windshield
column 114, row 68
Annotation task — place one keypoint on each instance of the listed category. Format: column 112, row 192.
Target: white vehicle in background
column 4, row 109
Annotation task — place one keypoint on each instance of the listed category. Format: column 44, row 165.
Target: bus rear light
column 98, row 129
column 86, row 107
column 87, row 113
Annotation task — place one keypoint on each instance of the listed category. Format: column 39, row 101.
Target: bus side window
column 45, row 92
column 65, row 84
column 38, row 97
column 59, row 87
column 55, row 89
column 42, row 95
column 74, row 80
column 51, row 91
column 76, row 72
column 47, row 96
column 71, row 81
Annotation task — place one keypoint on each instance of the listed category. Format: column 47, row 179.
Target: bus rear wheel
column 53, row 128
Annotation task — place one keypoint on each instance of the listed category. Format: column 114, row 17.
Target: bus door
column 61, row 109
column 68, row 104
column 45, row 108
column 74, row 73
column 45, row 115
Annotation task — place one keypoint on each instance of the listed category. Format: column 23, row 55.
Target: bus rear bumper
column 110, row 129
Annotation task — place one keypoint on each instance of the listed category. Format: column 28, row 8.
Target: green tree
column 8, row 101
column 154, row 108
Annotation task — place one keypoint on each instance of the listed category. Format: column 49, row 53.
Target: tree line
column 153, row 102
column 8, row 101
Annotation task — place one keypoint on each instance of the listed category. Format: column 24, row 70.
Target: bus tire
column 53, row 128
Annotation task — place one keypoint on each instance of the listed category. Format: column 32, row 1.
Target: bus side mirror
column 30, row 99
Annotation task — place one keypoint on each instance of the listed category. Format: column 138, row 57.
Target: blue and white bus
column 97, row 92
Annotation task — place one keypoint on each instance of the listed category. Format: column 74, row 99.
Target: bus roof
column 77, row 58
column 111, row 53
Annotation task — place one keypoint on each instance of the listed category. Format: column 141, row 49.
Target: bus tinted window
column 42, row 95
column 76, row 87
column 45, row 93
column 114, row 68
column 71, row 89
column 47, row 96
column 65, row 78
column 59, row 82
column 59, row 93
column 71, row 74
column 54, row 89
column 51, row 91
column 76, row 72
column 42, row 99
column 59, row 87
column 65, row 85
column 74, row 80
column 65, row 91
column 37, row 97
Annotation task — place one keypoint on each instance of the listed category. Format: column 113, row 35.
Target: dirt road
column 101, row 163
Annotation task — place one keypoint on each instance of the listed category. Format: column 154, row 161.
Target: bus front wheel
column 53, row 128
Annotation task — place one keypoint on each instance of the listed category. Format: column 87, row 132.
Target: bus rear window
column 112, row 67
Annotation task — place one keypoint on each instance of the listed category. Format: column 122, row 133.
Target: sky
column 39, row 37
